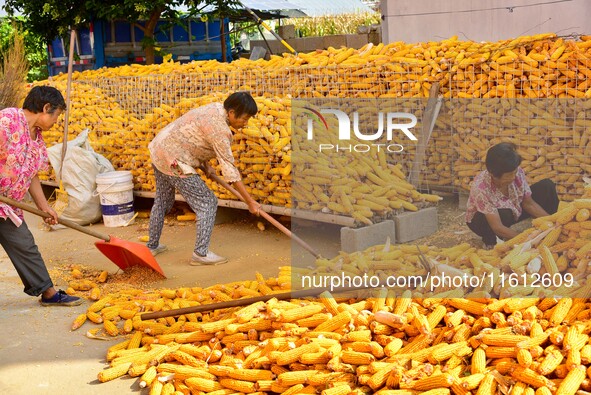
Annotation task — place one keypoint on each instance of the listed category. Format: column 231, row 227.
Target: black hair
column 39, row 96
column 502, row 158
column 241, row 103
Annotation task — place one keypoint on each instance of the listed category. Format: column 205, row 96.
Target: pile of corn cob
column 263, row 152
column 544, row 67
column 384, row 342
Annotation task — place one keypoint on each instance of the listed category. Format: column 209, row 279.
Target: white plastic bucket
column 115, row 189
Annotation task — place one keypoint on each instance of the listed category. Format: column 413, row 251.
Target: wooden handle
column 268, row 217
column 65, row 222
column 68, row 99
column 244, row 302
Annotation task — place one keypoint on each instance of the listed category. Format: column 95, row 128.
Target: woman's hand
column 50, row 220
column 254, row 208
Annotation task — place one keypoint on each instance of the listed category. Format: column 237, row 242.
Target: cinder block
column 356, row 40
column 358, row 239
column 335, row 41
column 309, row 44
column 463, row 200
column 286, row 31
column 414, row 225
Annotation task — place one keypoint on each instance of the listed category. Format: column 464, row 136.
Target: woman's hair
column 502, row 158
column 39, row 96
column 241, row 103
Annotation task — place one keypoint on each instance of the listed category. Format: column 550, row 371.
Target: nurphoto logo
column 394, row 121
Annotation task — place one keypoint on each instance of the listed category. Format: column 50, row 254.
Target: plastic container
column 115, row 189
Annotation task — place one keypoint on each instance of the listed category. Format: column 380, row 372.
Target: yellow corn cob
column 551, row 237
column 584, row 250
column 289, row 379
column 137, row 369
column 503, row 340
column 300, row 312
column 582, row 203
column 135, row 340
column 393, row 347
column 293, row 355
column 238, row 385
column 78, row 322
column 478, row 361
column 487, row 385
column 343, row 389
column 168, row 389
column 103, row 276
column 148, row 376
column 446, row 351
column 444, row 380
column 357, row 358
column 113, row 372
column 251, row 374
column 468, row 305
column 156, row 388
column 99, row 304
column 572, row 381
column 335, row 322
column 501, row 352
column 552, row 360
column 566, row 215
column 203, row 384
column 530, row 377
column 560, row 311
column 524, row 358
column 111, row 328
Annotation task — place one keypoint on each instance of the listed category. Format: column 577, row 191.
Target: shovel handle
column 63, row 221
column 265, row 215
column 303, row 293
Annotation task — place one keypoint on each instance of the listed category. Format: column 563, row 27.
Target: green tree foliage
column 34, row 46
column 52, row 18
column 13, row 68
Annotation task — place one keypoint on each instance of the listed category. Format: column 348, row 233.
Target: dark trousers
column 20, row 246
column 543, row 192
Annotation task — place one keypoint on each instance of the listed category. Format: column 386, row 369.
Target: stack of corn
column 552, row 131
column 385, row 343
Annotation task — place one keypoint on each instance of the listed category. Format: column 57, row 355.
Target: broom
column 61, row 195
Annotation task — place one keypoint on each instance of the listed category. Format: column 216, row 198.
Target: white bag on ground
column 81, row 166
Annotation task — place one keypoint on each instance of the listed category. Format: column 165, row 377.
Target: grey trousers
column 20, row 246
column 199, row 197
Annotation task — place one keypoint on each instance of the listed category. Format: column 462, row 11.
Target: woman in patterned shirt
column 22, row 155
column 500, row 196
column 189, row 143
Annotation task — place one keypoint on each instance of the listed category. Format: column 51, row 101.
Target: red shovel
column 121, row 252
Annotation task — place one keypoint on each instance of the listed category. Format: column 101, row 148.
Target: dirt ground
column 40, row 355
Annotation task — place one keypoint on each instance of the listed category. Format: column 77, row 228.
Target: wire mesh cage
column 533, row 91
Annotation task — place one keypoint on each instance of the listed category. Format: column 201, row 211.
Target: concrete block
column 309, row 44
column 463, row 200
column 335, row 41
column 356, row 40
column 286, row 31
column 358, row 239
column 414, row 225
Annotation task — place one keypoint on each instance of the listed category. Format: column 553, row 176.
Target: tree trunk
column 223, row 38
column 149, row 35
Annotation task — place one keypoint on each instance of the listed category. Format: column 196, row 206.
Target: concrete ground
column 38, row 352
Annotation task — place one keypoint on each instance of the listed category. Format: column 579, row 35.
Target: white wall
column 481, row 20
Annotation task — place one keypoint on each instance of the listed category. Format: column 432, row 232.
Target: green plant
column 333, row 24
column 13, row 69
column 35, row 47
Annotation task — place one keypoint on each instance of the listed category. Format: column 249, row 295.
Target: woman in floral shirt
column 189, row 143
column 500, row 196
column 22, row 155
